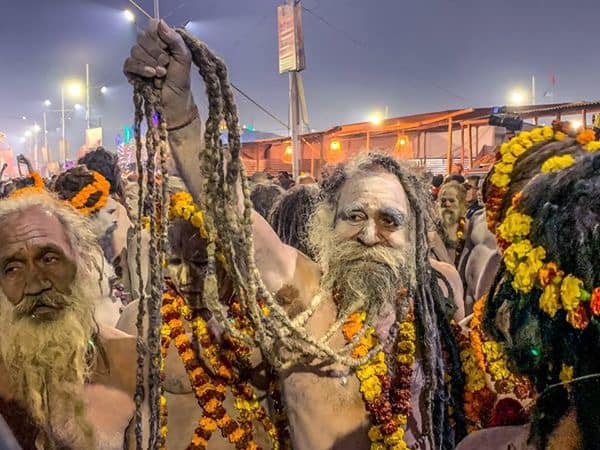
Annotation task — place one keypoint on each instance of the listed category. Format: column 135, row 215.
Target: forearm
column 186, row 146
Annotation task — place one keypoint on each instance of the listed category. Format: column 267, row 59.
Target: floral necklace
column 460, row 240
column 387, row 400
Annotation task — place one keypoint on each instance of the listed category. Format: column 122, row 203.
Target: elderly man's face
column 451, row 206
column 373, row 209
column 37, row 263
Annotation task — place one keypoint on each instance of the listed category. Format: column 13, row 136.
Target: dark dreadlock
column 105, row 163
column 565, row 207
column 432, row 325
column 290, row 215
column 264, row 196
column 147, row 104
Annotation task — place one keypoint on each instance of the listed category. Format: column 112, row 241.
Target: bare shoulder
column 116, row 366
column 451, row 275
column 500, row 438
column 296, row 294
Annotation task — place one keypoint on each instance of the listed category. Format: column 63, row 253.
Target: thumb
column 173, row 40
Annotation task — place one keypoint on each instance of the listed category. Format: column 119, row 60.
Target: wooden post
column 416, row 156
column 535, row 120
column 312, row 162
column 368, row 147
column 584, row 118
column 462, row 145
column 477, row 141
column 257, row 157
column 558, row 116
column 470, row 147
column 449, row 155
column 322, row 155
column 425, row 150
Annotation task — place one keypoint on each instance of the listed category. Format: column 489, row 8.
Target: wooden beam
column 477, row 141
column 584, row 118
column 418, row 146
column 535, row 120
column 470, row 147
column 368, row 146
column 449, row 155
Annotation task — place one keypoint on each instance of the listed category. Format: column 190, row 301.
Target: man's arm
column 161, row 53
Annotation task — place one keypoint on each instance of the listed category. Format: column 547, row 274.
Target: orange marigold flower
column 187, row 356
column 586, row 136
column 224, row 371
column 180, row 340
column 595, row 303
column 237, row 434
column 579, row 317
column 548, row 273
column 199, row 441
column 208, row 424
column 212, row 405
column 224, row 421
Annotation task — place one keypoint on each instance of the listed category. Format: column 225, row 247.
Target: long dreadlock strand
column 140, row 347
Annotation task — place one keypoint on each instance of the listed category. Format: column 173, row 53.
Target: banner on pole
column 291, row 39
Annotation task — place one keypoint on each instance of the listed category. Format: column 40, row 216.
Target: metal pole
column 533, row 90
column 45, row 135
column 35, row 147
column 156, row 10
column 450, row 149
column 87, row 95
column 62, row 110
column 295, row 125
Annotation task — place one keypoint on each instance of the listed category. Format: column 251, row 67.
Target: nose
column 183, row 274
column 369, row 235
column 36, row 283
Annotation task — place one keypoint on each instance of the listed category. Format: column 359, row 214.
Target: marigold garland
column 38, row 186
column 80, row 200
column 386, row 400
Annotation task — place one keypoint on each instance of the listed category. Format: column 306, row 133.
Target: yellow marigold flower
column 502, row 167
column 566, row 373
column 508, row 158
column 163, row 401
column 164, row 431
column 406, row 346
column 547, row 133
column 524, row 278
column 165, row 330
column 515, row 253
column 493, row 350
column 401, row 419
column 370, row 388
column 377, row 446
column 536, row 135
column 197, row 219
column 181, row 196
column 408, row 360
column 527, row 143
column 593, row 146
column 394, row 438
column 570, row 292
column 400, row 446
column 201, row 326
column 375, row 434
column 517, row 149
column 557, row 163
column 500, row 180
column 265, row 310
column 560, row 136
column 515, row 226
column 474, row 383
column 365, row 372
column 504, row 148
column 549, row 300
column 499, row 370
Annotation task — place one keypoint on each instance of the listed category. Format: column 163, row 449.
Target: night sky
column 362, row 55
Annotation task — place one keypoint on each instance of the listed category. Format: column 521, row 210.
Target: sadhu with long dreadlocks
column 360, row 340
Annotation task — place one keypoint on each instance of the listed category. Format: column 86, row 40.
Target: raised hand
column 161, row 53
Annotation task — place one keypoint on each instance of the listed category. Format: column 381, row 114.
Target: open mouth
column 43, row 311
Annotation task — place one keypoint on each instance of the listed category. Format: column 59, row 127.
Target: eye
column 12, row 269
column 356, row 216
column 175, row 261
column 50, row 258
column 199, row 263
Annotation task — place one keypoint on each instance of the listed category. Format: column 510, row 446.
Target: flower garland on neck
column 386, row 400
column 38, row 186
column 81, row 199
column 460, row 240
column 226, row 361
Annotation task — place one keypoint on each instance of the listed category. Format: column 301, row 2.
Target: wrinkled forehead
column 32, row 227
column 374, row 190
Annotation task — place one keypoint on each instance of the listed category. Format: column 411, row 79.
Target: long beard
column 46, row 363
column 365, row 278
column 449, row 217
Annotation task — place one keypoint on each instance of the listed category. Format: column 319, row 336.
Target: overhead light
column 77, row 106
column 47, row 102
column 376, row 118
column 103, row 90
column 129, row 16
column 576, row 124
column 335, row 145
column 36, row 128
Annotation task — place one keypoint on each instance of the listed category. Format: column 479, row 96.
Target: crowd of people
column 376, row 308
